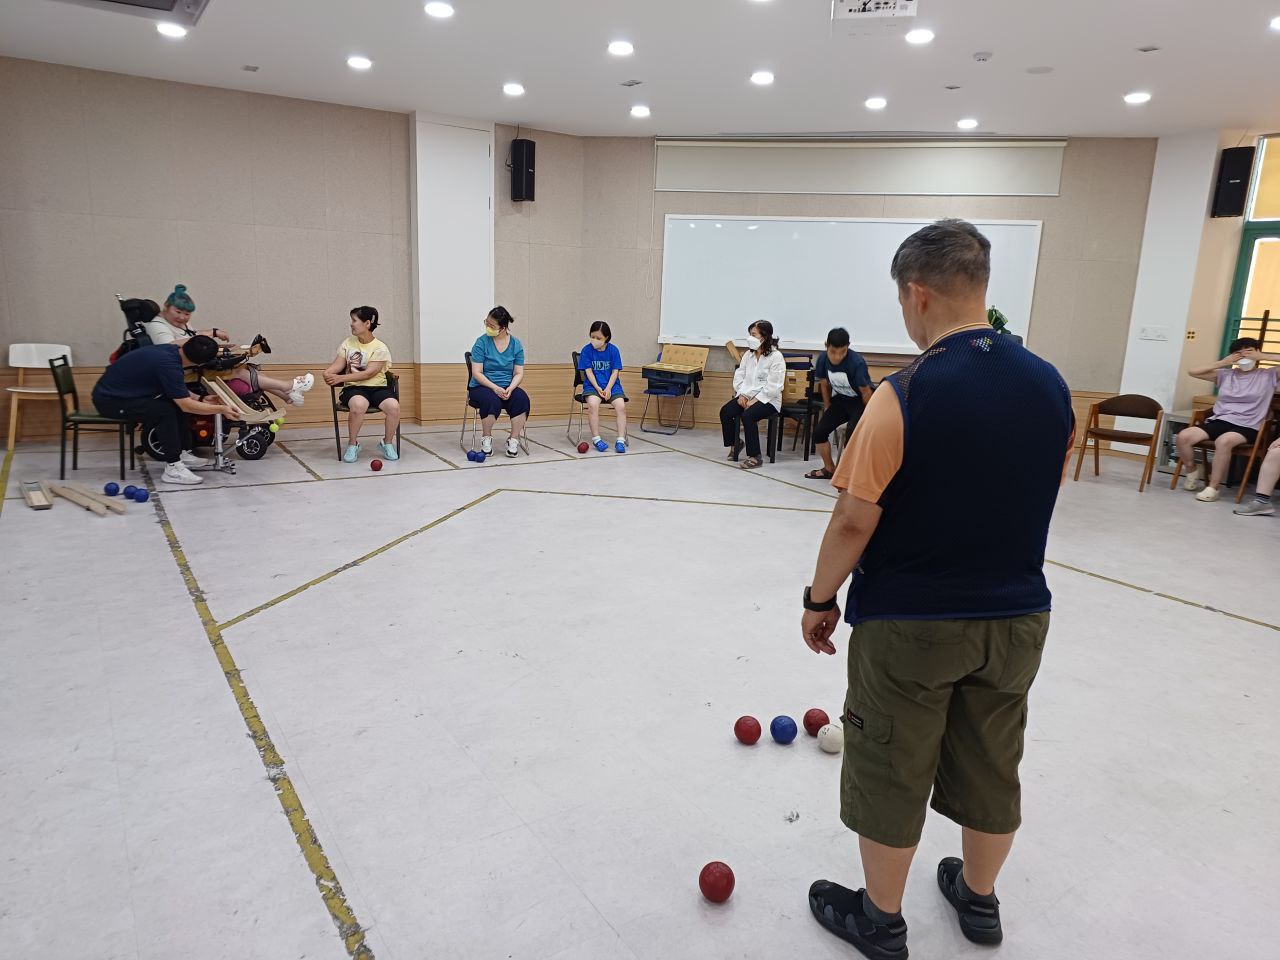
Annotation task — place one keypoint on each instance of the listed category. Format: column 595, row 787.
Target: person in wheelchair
column 146, row 386
column 173, row 324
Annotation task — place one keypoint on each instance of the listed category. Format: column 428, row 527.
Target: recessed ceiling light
column 1275, row 23
column 762, row 78
column 621, row 48
column 439, row 10
column 1138, row 96
column 359, row 63
column 920, row 36
column 876, row 103
column 640, row 110
column 513, row 89
column 968, row 123
column 1039, row 71
column 171, row 30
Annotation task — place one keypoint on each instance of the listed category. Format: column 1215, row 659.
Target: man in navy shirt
column 146, row 386
column 842, row 376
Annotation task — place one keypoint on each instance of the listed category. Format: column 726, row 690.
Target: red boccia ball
column 716, row 881
column 815, row 720
column 747, row 730
column 582, row 447
column 375, row 465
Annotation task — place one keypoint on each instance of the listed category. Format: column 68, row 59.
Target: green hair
column 180, row 299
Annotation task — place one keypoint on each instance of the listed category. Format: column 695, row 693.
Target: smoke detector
column 983, row 56
column 872, row 18
column 185, row 13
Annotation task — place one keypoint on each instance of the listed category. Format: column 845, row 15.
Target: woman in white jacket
column 757, row 392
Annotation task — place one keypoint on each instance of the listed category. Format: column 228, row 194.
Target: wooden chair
column 25, row 357
column 1126, row 405
column 75, row 419
column 1252, row 451
column 734, row 352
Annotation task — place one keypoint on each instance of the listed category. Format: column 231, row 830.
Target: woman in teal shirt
column 497, row 367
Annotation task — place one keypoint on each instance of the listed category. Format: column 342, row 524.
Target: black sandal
column 735, row 450
column 822, row 473
column 750, row 463
column 841, row 911
column 979, row 919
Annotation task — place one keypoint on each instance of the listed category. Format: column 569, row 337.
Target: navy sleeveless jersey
column 986, row 430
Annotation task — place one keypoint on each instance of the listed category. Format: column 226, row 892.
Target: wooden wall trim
column 433, row 393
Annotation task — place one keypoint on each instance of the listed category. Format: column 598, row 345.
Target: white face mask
column 753, row 343
column 1246, row 363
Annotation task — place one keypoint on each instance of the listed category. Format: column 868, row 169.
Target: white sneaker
column 513, row 447
column 486, row 445
column 178, row 473
column 295, row 398
column 1207, row 495
column 189, row 459
column 303, row 383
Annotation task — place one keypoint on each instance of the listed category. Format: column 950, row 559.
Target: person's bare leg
column 486, row 426
column 1222, row 448
column 984, row 855
column 391, row 410
column 593, row 414
column 824, row 451
column 885, row 869
column 517, row 426
column 280, row 388
column 356, row 410
column 1269, row 475
column 620, row 407
column 1186, row 441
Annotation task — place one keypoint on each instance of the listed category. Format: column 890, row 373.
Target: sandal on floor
column 734, row 451
column 750, row 463
column 822, row 473
column 979, row 920
column 841, row 911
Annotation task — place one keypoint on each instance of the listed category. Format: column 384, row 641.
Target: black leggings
column 842, row 410
column 731, row 414
column 173, row 429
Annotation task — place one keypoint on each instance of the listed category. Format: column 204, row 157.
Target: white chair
column 31, row 356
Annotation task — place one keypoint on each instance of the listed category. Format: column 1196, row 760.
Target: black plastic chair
column 471, row 416
column 578, row 406
column 74, row 419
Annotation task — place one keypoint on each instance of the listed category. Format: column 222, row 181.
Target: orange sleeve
column 874, row 453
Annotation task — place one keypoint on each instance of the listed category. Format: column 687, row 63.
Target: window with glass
column 1254, row 310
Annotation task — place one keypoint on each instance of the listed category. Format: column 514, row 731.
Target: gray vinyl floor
column 485, row 711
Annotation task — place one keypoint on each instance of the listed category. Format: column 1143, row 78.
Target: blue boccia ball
column 782, row 729
column 140, row 495
column 480, row 456
column 111, row 489
column 471, row 455
column 129, row 491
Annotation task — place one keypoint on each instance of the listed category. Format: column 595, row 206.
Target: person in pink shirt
column 1245, row 394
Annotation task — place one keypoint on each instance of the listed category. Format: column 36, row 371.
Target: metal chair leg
column 62, row 463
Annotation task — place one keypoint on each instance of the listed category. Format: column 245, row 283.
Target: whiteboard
column 806, row 275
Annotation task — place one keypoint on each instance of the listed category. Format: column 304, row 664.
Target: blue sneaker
column 621, row 445
column 388, row 450
column 350, row 454
column 600, row 445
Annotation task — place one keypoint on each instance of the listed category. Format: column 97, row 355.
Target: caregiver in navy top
column 497, row 367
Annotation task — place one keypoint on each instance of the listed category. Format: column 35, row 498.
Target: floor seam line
column 326, row 880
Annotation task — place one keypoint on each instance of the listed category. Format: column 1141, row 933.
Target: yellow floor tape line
column 4, row 477
column 355, row 563
column 298, row 460
column 349, row 928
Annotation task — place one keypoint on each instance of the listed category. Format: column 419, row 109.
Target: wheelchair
column 258, row 413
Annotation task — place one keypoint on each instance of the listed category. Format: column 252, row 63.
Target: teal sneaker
column 388, row 450
column 350, row 454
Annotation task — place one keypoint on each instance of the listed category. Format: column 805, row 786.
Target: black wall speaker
column 522, row 169
column 1232, row 192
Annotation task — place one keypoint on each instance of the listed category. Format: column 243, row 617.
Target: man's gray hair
column 950, row 256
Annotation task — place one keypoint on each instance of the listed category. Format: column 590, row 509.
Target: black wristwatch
column 811, row 604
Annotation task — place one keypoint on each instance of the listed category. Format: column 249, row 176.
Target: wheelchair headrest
column 139, row 311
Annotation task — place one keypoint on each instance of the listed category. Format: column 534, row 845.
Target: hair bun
column 180, row 288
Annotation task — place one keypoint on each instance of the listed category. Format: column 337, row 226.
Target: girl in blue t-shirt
column 601, row 366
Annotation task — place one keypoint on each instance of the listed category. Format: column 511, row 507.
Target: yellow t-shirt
column 357, row 356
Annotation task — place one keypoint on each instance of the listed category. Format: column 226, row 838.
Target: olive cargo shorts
column 936, row 705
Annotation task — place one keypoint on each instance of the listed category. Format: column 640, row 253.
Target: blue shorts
column 589, row 391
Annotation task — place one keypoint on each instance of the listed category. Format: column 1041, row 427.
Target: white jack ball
column 831, row 738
